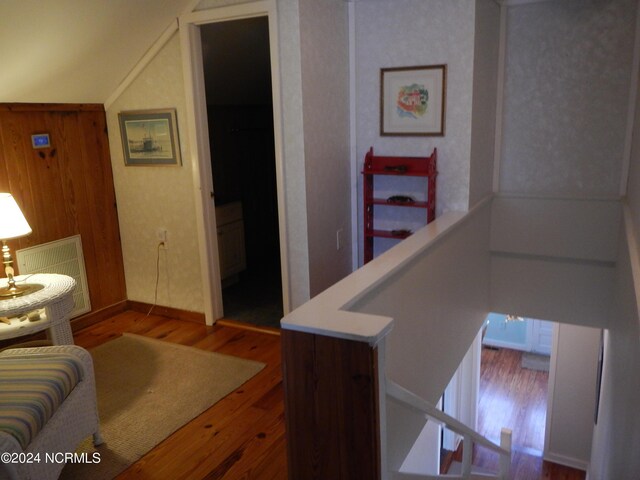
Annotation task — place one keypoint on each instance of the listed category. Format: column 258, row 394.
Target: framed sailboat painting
column 150, row 137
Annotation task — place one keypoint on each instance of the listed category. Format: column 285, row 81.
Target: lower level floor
column 220, row 444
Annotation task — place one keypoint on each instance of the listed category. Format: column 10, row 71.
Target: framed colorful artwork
column 150, row 137
column 412, row 100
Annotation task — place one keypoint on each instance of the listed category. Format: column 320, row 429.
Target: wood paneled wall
column 66, row 189
column 331, row 407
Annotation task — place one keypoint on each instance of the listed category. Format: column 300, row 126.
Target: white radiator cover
column 62, row 256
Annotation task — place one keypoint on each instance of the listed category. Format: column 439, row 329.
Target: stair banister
column 505, row 460
column 334, row 346
column 414, row 402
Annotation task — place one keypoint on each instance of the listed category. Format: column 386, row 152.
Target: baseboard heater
column 62, row 256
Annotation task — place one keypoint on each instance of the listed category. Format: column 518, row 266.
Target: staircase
column 345, row 420
column 413, row 402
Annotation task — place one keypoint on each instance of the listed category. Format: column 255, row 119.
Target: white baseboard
column 502, row 344
column 567, row 461
column 587, row 476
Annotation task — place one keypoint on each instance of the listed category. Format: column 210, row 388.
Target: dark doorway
column 237, row 71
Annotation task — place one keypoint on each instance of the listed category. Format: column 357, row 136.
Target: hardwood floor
column 512, row 397
column 516, row 398
column 243, row 435
column 240, row 437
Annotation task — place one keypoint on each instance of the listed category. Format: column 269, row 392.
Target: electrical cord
column 26, row 278
column 155, row 295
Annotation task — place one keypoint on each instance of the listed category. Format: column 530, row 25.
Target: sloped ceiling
column 76, row 51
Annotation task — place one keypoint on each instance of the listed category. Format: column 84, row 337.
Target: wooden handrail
column 418, row 404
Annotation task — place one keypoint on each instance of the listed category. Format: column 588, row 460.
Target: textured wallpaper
column 150, row 198
column 412, row 33
column 293, row 150
column 157, row 197
column 325, row 88
column 568, row 71
column 633, row 184
column 207, row 4
column 485, row 88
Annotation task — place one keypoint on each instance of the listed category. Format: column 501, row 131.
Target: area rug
column 147, row 389
column 533, row 361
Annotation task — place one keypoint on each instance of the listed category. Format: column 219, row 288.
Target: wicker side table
column 56, row 298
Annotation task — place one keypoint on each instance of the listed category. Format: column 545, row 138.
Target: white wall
column 153, row 197
column 324, row 44
column 77, row 52
column 568, row 71
column 293, row 150
column 554, row 259
column 563, row 291
column 406, row 33
column 485, row 91
column 556, row 228
column 633, row 185
column 618, row 428
column 572, row 398
column 567, row 80
column 617, row 432
column 439, row 302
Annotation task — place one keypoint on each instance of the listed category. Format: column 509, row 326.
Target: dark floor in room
column 256, row 298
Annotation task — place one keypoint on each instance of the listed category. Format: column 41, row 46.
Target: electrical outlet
column 161, row 233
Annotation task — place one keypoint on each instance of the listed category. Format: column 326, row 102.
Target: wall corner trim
column 143, row 62
column 632, row 246
column 631, row 112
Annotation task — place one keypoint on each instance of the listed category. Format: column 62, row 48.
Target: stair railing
column 414, row 402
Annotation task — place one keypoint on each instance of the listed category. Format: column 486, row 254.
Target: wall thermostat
column 40, row 140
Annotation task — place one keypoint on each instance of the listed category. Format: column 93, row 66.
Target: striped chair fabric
column 32, row 388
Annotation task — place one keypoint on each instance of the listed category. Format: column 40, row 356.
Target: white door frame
column 199, row 144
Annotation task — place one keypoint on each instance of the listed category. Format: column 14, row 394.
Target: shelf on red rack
column 399, row 166
column 384, row 201
column 408, row 173
column 387, row 234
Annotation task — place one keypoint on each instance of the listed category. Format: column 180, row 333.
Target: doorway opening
column 237, row 77
column 514, row 380
column 512, row 371
column 538, row 407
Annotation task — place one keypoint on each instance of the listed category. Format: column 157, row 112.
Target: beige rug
column 147, row 389
column 534, row 361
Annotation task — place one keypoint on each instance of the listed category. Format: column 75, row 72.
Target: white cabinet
column 231, row 250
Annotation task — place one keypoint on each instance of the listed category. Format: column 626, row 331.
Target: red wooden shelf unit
column 397, row 166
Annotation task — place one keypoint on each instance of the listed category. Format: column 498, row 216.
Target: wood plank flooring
column 516, row 398
column 240, row 437
column 512, row 397
column 243, row 435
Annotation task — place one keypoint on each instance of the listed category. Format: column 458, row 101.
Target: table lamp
column 12, row 225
